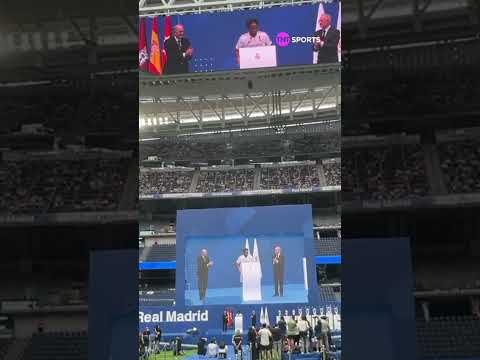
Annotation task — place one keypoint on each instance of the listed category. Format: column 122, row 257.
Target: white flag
column 256, row 256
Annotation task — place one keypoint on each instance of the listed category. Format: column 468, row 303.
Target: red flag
column 229, row 319
column 155, row 66
column 168, row 33
column 142, row 47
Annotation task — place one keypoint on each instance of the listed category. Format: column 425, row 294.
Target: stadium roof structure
column 239, row 99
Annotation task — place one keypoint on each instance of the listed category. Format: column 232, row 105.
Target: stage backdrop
column 225, row 232
column 214, row 36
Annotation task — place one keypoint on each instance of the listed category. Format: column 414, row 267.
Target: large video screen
column 260, row 38
column 257, row 255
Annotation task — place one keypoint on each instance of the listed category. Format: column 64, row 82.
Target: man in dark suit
column 224, row 320
column 278, row 270
column 253, row 319
column 326, row 41
column 203, row 265
column 179, row 52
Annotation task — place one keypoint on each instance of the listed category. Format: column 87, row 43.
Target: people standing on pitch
column 203, row 266
column 253, row 343
column 324, row 332
column 292, row 333
column 265, row 336
column 201, row 347
column 177, row 346
column 326, row 41
column 158, row 336
column 277, row 338
column 283, row 326
column 146, row 339
column 278, row 270
column 179, row 52
column 303, row 330
column 237, row 342
column 252, row 38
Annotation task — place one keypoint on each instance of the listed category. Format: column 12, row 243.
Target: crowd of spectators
column 38, row 186
column 162, row 182
column 303, row 176
column 332, row 173
column 226, row 180
column 384, row 172
column 290, row 177
column 460, row 164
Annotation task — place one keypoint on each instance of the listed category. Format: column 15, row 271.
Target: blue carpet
column 292, row 293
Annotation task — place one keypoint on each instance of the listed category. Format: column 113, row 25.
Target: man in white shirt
column 244, row 258
column 254, row 37
column 265, row 336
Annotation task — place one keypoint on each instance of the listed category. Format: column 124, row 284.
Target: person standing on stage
column 326, row 41
column 252, row 38
column 179, row 52
column 224, row 320
column 245, row 257
column 253, row 319
column 203, row 266
column 278, row 270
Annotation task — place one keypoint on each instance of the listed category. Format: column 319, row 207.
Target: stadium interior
column 369, row 165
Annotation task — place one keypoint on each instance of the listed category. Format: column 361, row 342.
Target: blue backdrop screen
column 224, row 234
column 214, row 36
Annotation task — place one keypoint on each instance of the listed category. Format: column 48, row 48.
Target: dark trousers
column 202, row 286
column 278, row 282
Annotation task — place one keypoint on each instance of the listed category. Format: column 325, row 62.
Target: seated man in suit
column 179, row 52
column 327, row 39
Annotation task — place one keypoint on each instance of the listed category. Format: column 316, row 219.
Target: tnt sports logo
column 282, row 39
